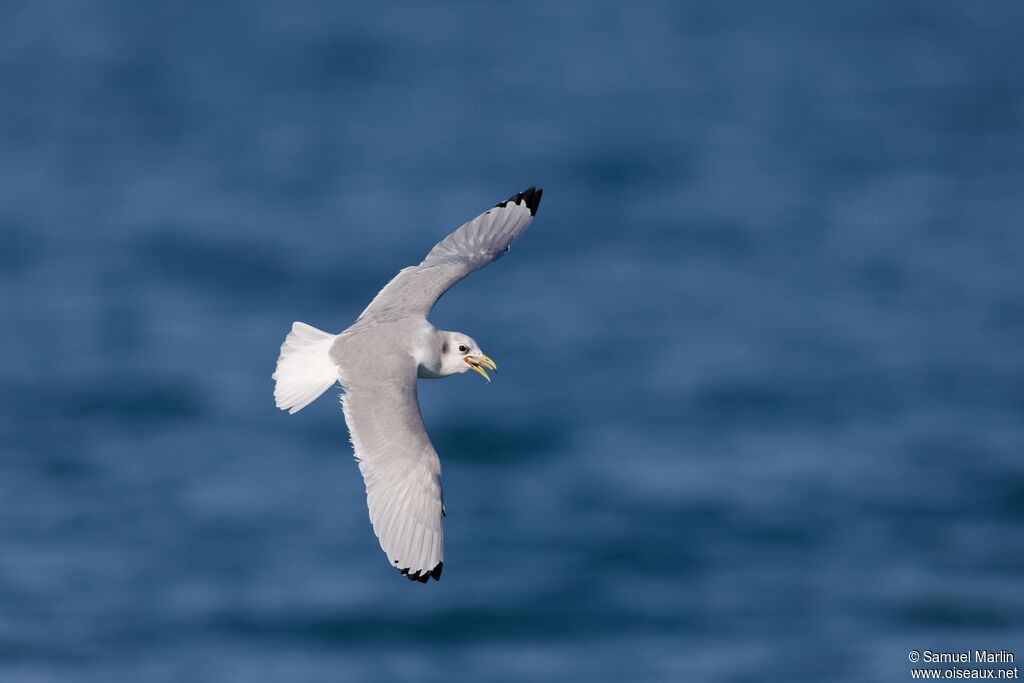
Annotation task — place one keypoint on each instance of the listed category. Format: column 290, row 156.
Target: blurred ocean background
column 760, row 414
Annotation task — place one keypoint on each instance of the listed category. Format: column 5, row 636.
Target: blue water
column 760, row 414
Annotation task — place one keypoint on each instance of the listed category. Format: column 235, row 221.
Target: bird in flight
column 377, row 361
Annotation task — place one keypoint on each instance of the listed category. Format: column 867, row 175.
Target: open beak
column 475, row 362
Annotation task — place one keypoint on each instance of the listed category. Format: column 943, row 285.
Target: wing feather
column 486, row 238
column 401, row 471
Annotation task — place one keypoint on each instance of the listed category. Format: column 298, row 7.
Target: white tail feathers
column 304, row 368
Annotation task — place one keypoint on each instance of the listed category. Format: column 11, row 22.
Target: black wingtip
column 530, row 196
column 424, row 576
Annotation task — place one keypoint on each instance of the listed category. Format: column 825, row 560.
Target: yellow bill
column 475, row 362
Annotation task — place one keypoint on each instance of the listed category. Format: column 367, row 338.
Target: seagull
column 377, row 361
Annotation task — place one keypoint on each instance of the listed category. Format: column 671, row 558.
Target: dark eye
column 463, row 348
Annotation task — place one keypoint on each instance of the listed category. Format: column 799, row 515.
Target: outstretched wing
column 401, row 471
column 484, row 239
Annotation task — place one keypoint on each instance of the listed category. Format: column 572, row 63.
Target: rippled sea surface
column 760, row 414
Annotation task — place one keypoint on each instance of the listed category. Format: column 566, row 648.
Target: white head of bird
column 459, row 353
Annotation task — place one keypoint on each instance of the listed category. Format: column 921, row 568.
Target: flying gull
column 377, row 361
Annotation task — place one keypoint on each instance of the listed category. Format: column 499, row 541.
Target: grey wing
column 401, row 471
column 482, row 240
